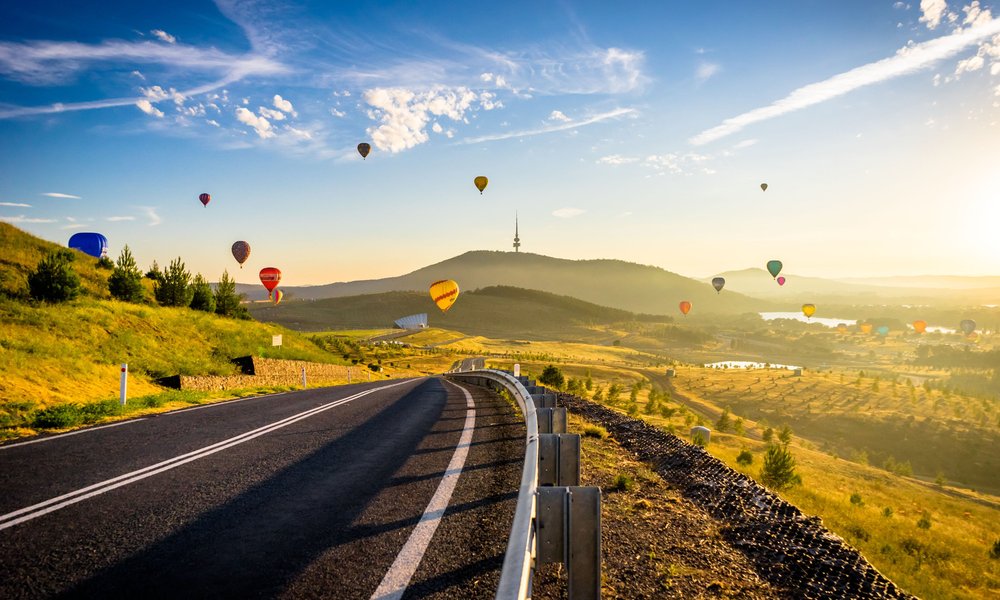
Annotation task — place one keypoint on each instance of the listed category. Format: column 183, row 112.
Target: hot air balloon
column 866, row 328
column 480, row 183
column 364, row 149
column 270, row 277
column 763, row 187
column 718, row 282
column 920, row 326
column 685, row 307
column 205, row 199
column 808, row 310
column 93, row 244
column 842, row 328
column 278, row 295
column 774, row 267
column 781, row 280
column 444, row 293
column 241, row 252
column 967, row 326
column 883, row 330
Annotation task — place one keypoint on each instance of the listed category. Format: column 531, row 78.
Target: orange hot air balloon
column 364, row 149
column 685, row 307
column 920, row 326
column 270, row 277
column 842, row 328
column 808, row 310
column 866, row 328
column 480, row 183
column 278, row 295
column 444, row 293
column 205, row 199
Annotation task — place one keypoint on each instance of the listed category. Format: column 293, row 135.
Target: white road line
column 54, row 504
column 78, row 431
column 214, row 404
column 398, row 577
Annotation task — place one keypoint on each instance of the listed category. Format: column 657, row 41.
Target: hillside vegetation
column 493, row 312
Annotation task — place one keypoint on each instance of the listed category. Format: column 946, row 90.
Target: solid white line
column 53, row 504
column 78, row 431
column 214, row 404
column 398, row 577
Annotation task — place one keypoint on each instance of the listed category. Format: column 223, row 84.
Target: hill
column 19, row 256
column 498, row 311
column 614, row 283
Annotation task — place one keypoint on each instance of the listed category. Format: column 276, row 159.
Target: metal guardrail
column 515, row 576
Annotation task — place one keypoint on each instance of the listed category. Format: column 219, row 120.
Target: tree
column 768, row 435
column 613, row 391
column 154, row 272
column 552, row 377
column 227, row 302
column 725, row 422
column 778, row 471
column 744, row 458
column 201, row 295
column 105, row 263
column 785, row 435
column 588, row 383
column 174, row 290
column 125, row 282
column 54, row 279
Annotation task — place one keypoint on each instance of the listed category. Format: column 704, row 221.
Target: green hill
column 71, row 352
column 499, row 311
column 615, row 283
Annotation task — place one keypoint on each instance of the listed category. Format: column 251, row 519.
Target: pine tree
column 175, row 289
column 125, row 282
column 202, row 297
column 778, row 471
column 54, row 279
column 227, row 302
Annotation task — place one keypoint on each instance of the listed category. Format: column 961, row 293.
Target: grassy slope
column 499, row 312
column 20, row 253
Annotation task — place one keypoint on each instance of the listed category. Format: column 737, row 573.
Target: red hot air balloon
column 205, row 199
column 270, row 277
column 781, row 280
column 685, row 306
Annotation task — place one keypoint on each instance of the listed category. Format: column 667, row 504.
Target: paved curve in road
column 304, row 494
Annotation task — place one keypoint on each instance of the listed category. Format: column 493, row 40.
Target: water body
column 797, row 316
column 746, row 364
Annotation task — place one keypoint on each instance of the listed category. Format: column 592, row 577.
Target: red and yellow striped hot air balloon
column 444, row 293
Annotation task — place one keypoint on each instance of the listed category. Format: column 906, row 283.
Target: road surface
column 335, row 492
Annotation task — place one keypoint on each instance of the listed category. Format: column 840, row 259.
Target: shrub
column 745, row 458
column 698, row 439
column 623, row 483
column 778, row 471
column 595, row 431
column 856, row 499
column 924, row 522
column 95, row 411
column 54, row 280
column 725, row 422
column 105, row 263
column 995, row 550
column 58, row 417
column 768, row 435
column 552, row 377
column 887, row 512
column 125, row 282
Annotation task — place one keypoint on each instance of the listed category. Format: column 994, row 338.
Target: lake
column 746, row 364
column 797, row 316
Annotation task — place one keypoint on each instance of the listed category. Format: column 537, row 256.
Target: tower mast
column 517, row 240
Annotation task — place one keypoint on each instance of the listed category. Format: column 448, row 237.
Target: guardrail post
column 551, row 420
column 569, row 531
column 545, row 400
column 558, row 459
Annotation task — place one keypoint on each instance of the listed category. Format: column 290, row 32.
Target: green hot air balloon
column 774, row 267
column 718, row 282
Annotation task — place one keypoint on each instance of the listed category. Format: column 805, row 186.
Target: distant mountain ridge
column 611, row 283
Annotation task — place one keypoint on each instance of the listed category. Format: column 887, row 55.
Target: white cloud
column 568, row 212
column 900, row 6
column 213, row 123
column 932, row 11
column 282, row 104
column 298, row 134
column 259, row 124
column 968, row 65
column 705, row 70
column 151, row 214
column 338, row 113
column 269, row 113
column 557, row 115
column 907, row 60
column 163, row 36
column 612, row 114
column 24, row 219
column 436, row 127
column 616, row 159
column 976, row 15
column 59, row 195
column 15, row 204
column 744, row 144
column 73, row 226
column 117, row 219
column 139, row 75
column 146, row 107
column 404, row 115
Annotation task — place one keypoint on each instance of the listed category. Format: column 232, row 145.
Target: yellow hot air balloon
column 480, row 183
column 866, row 328
column 444, row 293
column 808, row 309
column 842, row 328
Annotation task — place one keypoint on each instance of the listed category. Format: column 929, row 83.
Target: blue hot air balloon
column 93, row 244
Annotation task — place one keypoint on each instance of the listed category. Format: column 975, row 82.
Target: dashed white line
column 398, row 577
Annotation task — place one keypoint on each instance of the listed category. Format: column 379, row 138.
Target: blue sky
column 638, row 133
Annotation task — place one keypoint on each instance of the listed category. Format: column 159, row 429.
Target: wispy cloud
column 705, row 71
column 151, row 214
column 59, row 195
column 25, row 219
column 613, row 114
column 16, row 204
column 557, row 115
column 617, row 159
column 163, row 36
column 120, row 218
column 568, row 212
column 907, row 60
column 73, row 226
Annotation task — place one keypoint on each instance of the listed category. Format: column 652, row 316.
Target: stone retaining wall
column 277, row 372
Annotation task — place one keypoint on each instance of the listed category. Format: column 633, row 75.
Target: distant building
column 411, row 322
column 517, row 240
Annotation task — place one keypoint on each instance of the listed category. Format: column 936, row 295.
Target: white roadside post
column 124, row 383
column 517, row 369
column 303, row 378
column 348, row 374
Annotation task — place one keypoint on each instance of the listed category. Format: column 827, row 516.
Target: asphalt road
column 318, row 493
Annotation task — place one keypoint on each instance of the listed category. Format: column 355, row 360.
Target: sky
column 639, row 133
